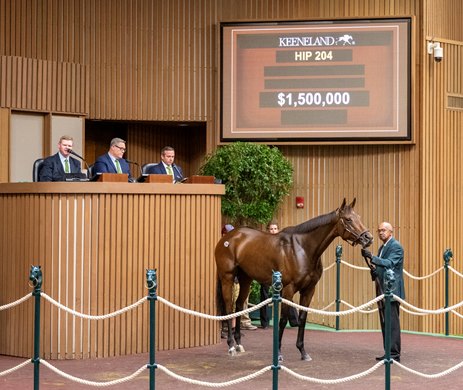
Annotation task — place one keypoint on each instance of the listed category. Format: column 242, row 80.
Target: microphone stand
column 83, row 159
column 137, row 164
column 182, row 179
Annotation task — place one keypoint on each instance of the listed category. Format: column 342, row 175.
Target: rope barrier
column 211, row 317
column 92, row 383
column 213, row 384
column 438, row 311
column 455, row 271
column 430, row 376
column 332, row 381
column 334, row 313
column 90, row 317
column 13, row 369
column 18, row 302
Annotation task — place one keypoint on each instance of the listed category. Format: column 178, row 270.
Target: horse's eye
column 348, row 219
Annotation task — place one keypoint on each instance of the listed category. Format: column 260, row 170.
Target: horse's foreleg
column 306, row 298
column 281, row 329
column 300, row 336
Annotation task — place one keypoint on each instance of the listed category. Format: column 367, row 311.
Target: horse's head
column 351, row 228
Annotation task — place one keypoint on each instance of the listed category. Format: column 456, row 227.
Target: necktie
column 118, row 167
column 169, row 170
column 66, row 166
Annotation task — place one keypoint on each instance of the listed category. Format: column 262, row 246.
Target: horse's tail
column 219, row 301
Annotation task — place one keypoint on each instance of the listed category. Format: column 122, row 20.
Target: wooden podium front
column 113, row 177
column 158, row 178
column 197, row 179
column 94, row 242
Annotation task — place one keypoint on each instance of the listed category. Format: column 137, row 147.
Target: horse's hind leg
column 227, row 293
column 243, row 294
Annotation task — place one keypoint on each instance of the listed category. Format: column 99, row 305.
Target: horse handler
column 390, row 256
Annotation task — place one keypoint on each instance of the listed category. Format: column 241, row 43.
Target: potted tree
column 257, row 178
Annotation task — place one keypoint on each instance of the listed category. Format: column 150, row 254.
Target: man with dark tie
column 54, row 168
column 390, row 256
column 167, row 166
column 113, row 161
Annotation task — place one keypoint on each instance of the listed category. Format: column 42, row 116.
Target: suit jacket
column 104, row 164
column 392, row 258
column 52, row 168
column 161, row 170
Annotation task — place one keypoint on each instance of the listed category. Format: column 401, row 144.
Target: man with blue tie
column 390, row 256
column 54, row 168
column 167, row 166
column 113, row 161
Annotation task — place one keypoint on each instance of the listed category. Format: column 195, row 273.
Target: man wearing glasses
column 113, row 161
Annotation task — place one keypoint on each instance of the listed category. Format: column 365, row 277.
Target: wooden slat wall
column 441, row 187
column 158, row 61
column 110, row 243
column 32, row 84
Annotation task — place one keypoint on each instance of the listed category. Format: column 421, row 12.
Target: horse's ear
column 353, row 203
column 343, row 204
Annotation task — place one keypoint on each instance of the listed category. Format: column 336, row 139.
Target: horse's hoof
column 306, row 357
column 232, row 351
column 280, row 358
column 240, row 348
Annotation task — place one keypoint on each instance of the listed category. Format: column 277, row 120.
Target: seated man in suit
column 167, row 166
column 112, row 162
column 55, row 167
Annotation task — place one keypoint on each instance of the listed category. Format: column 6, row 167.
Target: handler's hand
column 373, row 274
column 366, row 253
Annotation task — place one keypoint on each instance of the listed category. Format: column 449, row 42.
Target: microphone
column 182, row 179
column 135, row 163
column 70, row 151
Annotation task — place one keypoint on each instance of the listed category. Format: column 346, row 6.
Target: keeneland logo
column 343, row 40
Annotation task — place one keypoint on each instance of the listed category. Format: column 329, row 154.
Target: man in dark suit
column 113, row 161
column 55, row 167
column 167, row 166
column 390, row 256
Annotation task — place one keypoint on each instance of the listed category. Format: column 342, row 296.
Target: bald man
column 390, row 256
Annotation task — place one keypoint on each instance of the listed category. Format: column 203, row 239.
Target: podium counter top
column 110, row 188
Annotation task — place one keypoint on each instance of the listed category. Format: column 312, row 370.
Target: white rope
column 438, row 311
column 369, row 311
column 423, row 277
column 210, row 317
column 331, row 304
column 355, row 266
column 92, row 383
column 336, row 313
column 333, row 381
column 212, row 384
column 457, row 314
column 431, row 376
column 455, row 271
column 13, row 369
column 329, row 267
column 90, row 317
column 19, row 301
column 414, row 313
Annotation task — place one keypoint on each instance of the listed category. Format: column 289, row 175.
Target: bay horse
column 250, row 254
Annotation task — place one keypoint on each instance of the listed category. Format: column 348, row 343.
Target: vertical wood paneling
column 65, row 231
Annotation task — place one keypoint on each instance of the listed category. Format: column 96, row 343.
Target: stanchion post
column 277, row 285
column 152, row 285
column 388, row 286
column 35, row 277
column 447, row 257
column 338, row 282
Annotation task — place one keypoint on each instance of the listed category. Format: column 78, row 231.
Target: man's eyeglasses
column 120, row 148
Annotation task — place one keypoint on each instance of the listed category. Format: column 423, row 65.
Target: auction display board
column 316, row 81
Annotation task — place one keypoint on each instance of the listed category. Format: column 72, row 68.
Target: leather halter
column 358, row 237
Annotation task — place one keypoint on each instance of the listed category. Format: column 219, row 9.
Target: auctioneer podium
column 94, row 242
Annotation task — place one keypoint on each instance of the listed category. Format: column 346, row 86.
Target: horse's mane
column 311, row 224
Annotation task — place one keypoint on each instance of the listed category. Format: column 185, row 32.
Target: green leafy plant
column 256, row 177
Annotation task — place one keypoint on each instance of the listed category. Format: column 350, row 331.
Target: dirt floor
column 335, row 355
